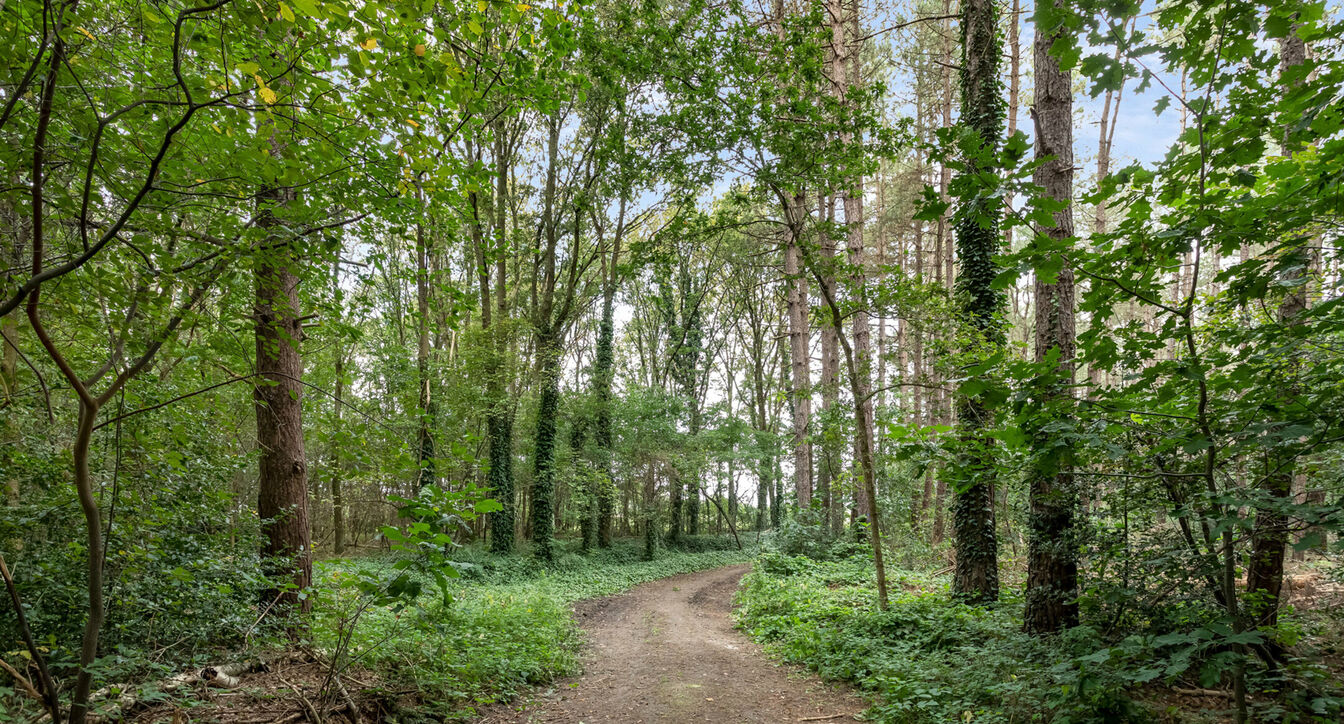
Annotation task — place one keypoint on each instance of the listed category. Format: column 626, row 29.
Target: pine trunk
column 282, row 495
column 1052, row 563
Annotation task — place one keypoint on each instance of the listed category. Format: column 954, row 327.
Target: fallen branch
column 20, row 680
column 823, row 718
column 1202, row 692
column 224, row 677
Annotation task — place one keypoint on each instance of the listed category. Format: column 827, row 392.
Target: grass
column 508, row 626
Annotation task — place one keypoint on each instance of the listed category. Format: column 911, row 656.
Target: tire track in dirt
column 667, row 651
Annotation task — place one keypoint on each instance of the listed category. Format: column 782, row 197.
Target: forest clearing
column 904, row 361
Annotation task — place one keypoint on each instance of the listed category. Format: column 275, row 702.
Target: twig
column 307, row 705
column 823, row 718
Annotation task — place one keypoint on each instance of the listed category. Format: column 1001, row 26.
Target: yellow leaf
column 420, row 50
column 286, row 13
column 87, row 34
column 482, row 5
column 522, row 7
column 412, row 123
column 369, row 44
column 268, row 95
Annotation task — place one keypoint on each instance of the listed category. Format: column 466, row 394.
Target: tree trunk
column 800, row 392
column 1269, row 536
column 337, row 491
column 828, row 468
column 282, row 497
column 425, row 403
column 543, row 478
column 976, row 576
column 603, row 366
column 499, row 417
column 1052, row 562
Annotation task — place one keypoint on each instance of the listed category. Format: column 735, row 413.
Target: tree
column 1052, row 565
column 977, row 222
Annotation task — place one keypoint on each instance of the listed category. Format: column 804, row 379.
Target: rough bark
column 800, row 390
column 282, row 488
column 1052, row 563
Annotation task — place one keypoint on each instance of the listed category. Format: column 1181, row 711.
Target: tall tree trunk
column 10, row 432
column 1269, row 536
column 800, row 391
column 976, row 576
column 425, row 402
column 828, row 468
column 499, row 416
column 337, row 489
column 1052, row 562
column 603, row 368
column 847, row 74
column 543, row 477
column 282, row 488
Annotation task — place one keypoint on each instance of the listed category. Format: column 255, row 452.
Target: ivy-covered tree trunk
column 976, row 577
column 1269, row 537
column 587, row 496
column 543, row 477
column 1052, row 561
column 603, row 367
column 499, row 415
column 282, row 487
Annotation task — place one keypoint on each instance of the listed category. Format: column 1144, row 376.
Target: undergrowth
column 929, row 659
column 506, row 628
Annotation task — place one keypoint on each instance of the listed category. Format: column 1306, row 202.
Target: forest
column 972, row 361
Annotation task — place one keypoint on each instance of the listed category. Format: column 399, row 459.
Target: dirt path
column 666, row 651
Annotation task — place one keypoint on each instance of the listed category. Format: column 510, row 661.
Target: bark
column 282, row 488
column 861, row 370
column 800, row 391
column 1052, row 563
column 1269, row 536
column 976, row 576
column 337, row 489
column 425, row 403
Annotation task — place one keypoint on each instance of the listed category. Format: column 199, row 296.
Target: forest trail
column 667, row 651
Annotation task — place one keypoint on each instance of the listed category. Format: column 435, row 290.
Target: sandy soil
column 666, row 651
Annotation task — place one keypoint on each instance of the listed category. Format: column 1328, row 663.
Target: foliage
column 931, row 659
